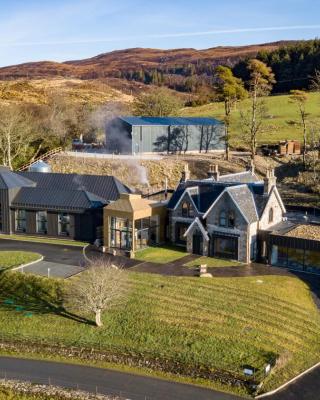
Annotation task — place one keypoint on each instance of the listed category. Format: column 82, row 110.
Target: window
column 187, row 210
column 121, row 233
column 270, row 215
column 0, row 217
column 42, row 222
column 223, row 218
column 180, row 230
column 21, row 221
column 231, row 219
column 64, row 224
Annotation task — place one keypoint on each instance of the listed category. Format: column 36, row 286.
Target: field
column 282, row 118
column 194, row 326
column 11, row 259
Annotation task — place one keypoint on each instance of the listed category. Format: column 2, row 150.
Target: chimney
column 251, row 167
column 213, row 172
column 269, row 181
column 185, row 176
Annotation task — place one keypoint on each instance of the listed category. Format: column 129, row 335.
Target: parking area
column 59, row 261
column 52, row 269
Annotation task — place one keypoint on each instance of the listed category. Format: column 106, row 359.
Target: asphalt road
column 63, row 261
column 129, row 386
column 70, row 255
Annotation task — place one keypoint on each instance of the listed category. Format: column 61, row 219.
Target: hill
column 282, row 118
column 116, row 62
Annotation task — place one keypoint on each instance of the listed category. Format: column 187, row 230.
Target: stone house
column 221, row 216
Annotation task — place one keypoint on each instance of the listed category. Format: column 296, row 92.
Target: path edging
column 261, row 396
column 27, row 264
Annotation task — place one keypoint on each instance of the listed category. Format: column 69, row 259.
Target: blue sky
column 33, row 30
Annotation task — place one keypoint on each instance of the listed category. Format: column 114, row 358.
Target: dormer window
column 271, row 215
column 187, row 210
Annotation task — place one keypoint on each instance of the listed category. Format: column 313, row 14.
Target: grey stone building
column 221, row 216
column 56, row 205
column 137, row 135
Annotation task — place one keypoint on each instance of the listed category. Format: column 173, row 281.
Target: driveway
column 63, row 261
column 108, row 382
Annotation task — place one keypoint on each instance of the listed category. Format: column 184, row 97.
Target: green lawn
column 212, row 262
column 11, row 259
column 218, row 323
column 41, row 239
column 162, row 255
column 281, row 122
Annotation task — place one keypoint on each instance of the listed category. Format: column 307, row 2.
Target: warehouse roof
column 170, row 121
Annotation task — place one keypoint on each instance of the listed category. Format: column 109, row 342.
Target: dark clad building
column 59, row 205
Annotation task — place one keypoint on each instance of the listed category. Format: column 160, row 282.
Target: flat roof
column 170, row 121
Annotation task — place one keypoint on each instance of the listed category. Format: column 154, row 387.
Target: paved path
column 130, row 386
column 63, row 261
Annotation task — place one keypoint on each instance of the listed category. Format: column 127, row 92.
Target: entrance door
column 197, row 244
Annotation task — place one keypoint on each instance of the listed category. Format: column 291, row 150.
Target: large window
column 227, row 219
column 146, row 232
column 226, row 248
column 181, row 229
column 223, row 218
column 42, row 222
column 121, row 233
column 21, row 220
column 64, row 224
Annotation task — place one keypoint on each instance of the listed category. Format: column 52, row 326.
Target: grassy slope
column 10, row 259
column 278, row 125
column 221, row 323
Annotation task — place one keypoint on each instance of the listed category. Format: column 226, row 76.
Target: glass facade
column 297, row 259
column 145, row 233
column 64, row 224
column 225, row 247
column 42, row 222
column 21, row 220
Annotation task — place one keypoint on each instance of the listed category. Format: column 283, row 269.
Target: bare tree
column 97, row 289
column 16, row 133
column 315, row 82
column 260, row 84
column 299, row 98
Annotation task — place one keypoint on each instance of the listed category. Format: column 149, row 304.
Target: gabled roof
column 244, row 200
column 200, row 226
column 170, row 121
column 105, row 187
column 10, row 180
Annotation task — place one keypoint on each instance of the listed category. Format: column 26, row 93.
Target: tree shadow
column 30, row 294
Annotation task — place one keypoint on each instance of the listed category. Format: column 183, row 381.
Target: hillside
column 110, row 64
column 282, row 118
column 76, row 91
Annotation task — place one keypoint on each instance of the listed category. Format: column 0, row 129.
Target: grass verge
column 161, row 255
column 41, row 239
column 11, row 259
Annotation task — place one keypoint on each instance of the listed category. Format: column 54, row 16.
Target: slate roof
column 170, row 121
column 54, row 199
column 10, row 180
column 248, row 196
column 244, row 199
column 107, row 188
column 240, row 177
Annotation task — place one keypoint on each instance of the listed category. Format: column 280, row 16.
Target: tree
column 156, row 103
column 260, row 84
column 315, row 83
column 299, row 98
column 17, row 134
column 229, row 89
column 97, row 289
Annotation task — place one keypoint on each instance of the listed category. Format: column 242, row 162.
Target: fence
column 99, row 389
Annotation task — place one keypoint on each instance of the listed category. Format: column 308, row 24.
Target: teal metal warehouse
column 136, row 135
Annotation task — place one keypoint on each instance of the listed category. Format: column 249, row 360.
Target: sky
column 59, row 30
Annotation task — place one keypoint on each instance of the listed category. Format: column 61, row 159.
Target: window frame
column 18, row 219
column 60, row 223
column 39, row 221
